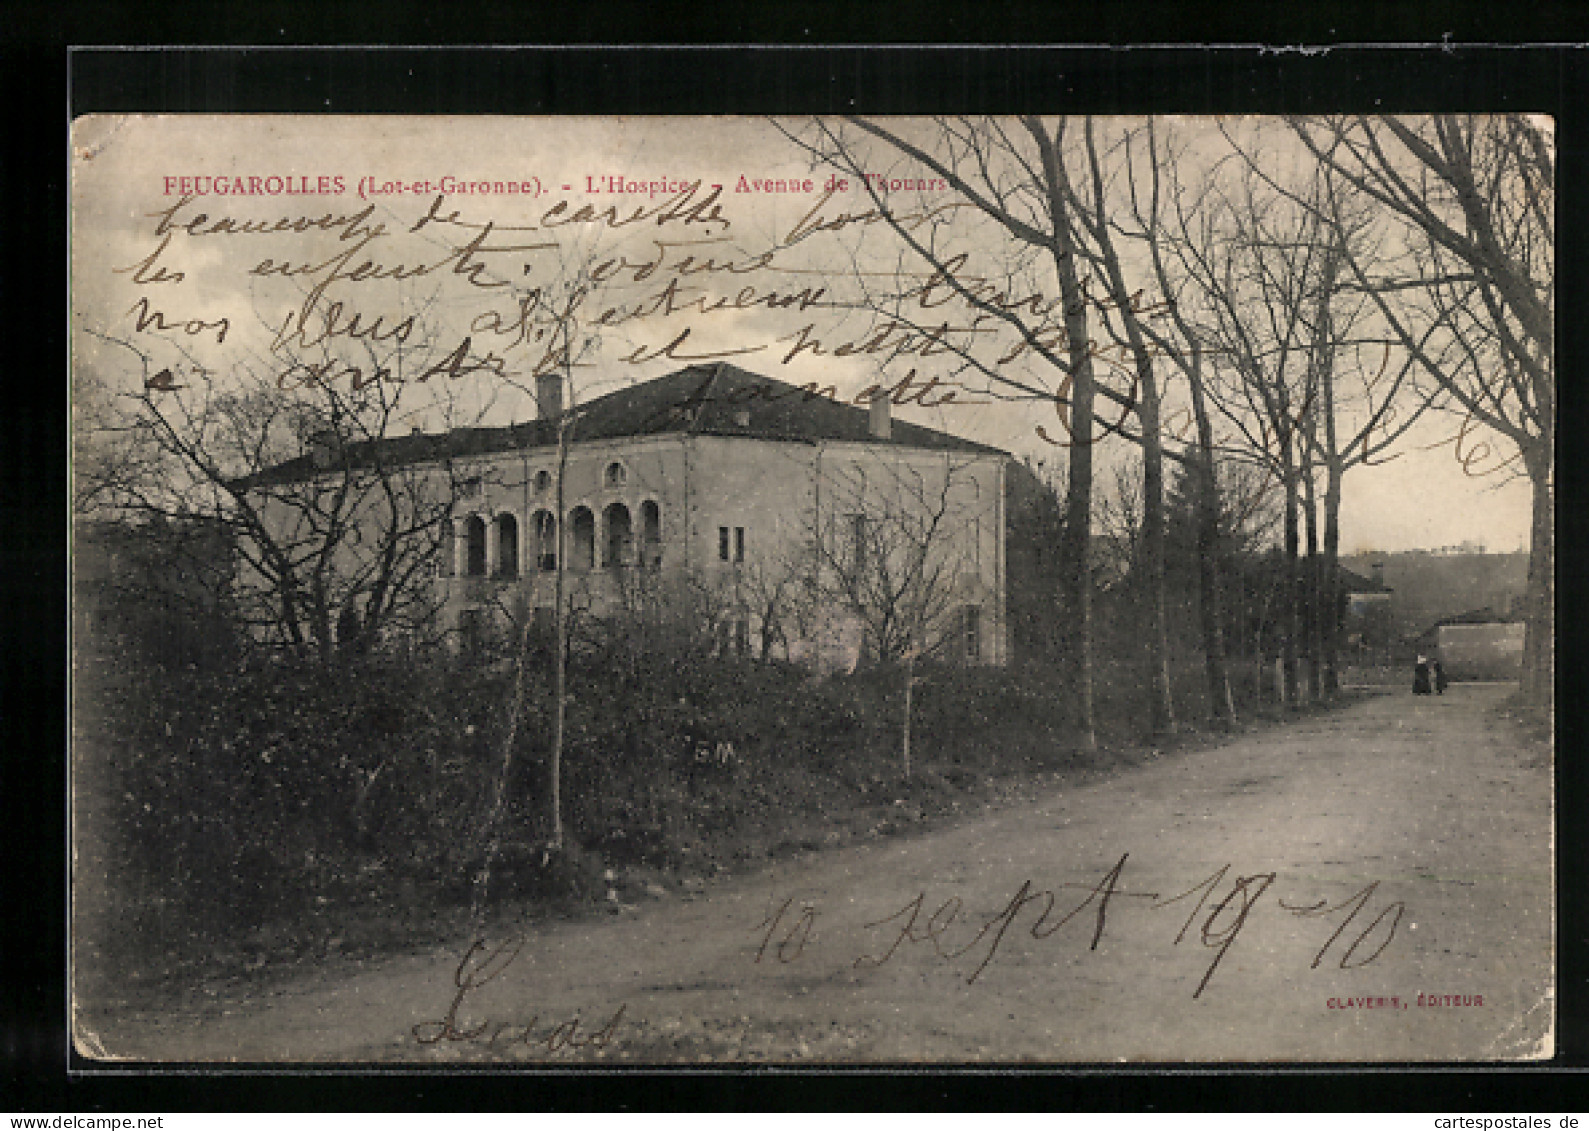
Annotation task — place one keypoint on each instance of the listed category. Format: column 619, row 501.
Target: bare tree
column 1339, row 427
column 1015, row 176
column 1097, row 215
column 776, row 594
column 894, row 548
column 556, row 307
column 1356, row 426
column 1253, row 254
column 337, row 516
column 1472, row 299
column 1119, row 520
column 1165, row 196
column 892, row 551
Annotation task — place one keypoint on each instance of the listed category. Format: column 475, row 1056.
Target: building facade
column 804, row 528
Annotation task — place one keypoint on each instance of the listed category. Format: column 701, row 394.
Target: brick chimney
column 882, row 424
column 548, row 396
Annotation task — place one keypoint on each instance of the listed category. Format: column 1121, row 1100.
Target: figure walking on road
column 1420, row 676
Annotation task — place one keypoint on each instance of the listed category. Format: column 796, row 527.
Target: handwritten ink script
column 351, row 279
column 458, row 267
column 1219, row 908
column 483, row 964
column 1212, row 914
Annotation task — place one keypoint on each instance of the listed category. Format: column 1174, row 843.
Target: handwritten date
column 1220, row 906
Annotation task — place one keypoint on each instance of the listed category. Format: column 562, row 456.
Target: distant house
column 1366, row 620
column 1477, row 645
column 731, row 482
column 1431, row 586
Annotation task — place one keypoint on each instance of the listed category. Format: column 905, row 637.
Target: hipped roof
column 703, row 400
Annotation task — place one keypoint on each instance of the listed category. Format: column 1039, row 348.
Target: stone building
column 801, row 526
column 782, row 520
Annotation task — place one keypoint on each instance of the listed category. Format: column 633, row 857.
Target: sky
column 766, row 271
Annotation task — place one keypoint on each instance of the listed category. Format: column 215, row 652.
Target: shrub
column 244, row 794
column 240, row 793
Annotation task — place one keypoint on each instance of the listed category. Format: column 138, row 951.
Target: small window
column 543, row 481
column 507, row 545
column 620, row 536
column 739, row 543
column 616, row 475
column 650, row 533
column 722, row 543
column 470, row 488
column 474, row 532
column 545, row 541
column 582, row 540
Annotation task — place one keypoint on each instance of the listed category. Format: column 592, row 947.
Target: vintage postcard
column 991, row 591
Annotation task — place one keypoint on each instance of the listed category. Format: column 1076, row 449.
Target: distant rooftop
column 1353, row 582
column 703, row 400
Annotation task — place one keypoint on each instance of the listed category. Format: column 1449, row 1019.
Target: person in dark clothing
column 1439, row 675
column 1420, row 676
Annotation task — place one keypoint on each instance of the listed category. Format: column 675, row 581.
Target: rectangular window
column 722, row 543
column 971, row 633
column 739, row 543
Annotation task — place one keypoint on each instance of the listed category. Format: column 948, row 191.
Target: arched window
column 545, row 527
column 447, row 550
column 616, row 475
column 620, row 536
column 582, row 538
column 474, row 533
column 507, row 546
column 650, row 533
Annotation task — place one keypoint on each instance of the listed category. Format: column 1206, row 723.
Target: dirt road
column 1403, row 843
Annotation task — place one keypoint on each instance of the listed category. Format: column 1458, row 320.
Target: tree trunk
column 560, row 633
column 910, row 679
column 499, row 793
column 1210, row 602
column 324, row 642
column 1333, row 597
column 1313, row 576
column 1222, row 706
column 1328, row 587
column 1153, row 554
column 1157, row 644
column 1291, row 621
column 1078, row 511
column 1539, row 669
column 1078, row 532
